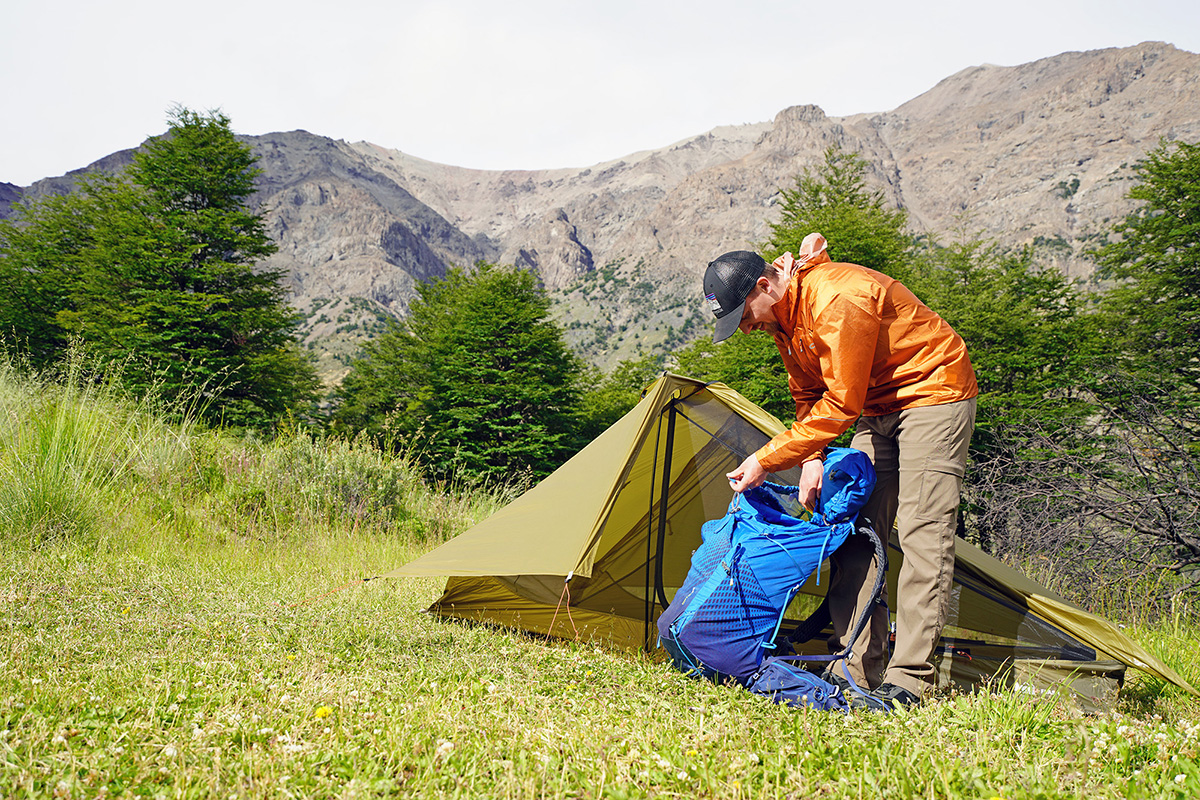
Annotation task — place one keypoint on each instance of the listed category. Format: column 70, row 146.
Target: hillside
column 1030, row 154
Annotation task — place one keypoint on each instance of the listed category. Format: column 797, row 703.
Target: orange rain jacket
column 855, row 341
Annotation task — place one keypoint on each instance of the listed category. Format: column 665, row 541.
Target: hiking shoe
column 856, row 698
column 829, row 676
column 892, row 696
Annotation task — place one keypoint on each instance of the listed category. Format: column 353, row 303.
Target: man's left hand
column 811, row 474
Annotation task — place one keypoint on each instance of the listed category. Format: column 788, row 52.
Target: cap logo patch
column 714, row 302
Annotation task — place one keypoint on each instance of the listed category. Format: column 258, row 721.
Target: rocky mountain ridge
column 1033, row 154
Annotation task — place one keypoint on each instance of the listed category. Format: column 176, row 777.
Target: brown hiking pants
column 920, row 455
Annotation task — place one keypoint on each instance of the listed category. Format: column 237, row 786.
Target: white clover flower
column 1180, row 778
column 169, row 751
column 444, row 748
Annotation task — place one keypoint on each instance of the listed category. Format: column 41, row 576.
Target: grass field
column 169, row 630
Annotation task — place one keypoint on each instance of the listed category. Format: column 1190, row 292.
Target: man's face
column 757, row 315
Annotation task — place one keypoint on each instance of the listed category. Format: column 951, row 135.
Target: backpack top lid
column 848, row 481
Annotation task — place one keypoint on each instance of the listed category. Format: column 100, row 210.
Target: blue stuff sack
column 792, row 685
column 725, row 618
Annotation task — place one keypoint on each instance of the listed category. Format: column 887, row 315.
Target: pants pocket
column 941, row 488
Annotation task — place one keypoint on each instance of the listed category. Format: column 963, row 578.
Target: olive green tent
column 599, row 548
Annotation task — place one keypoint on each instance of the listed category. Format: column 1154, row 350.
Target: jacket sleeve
column 844, row 341
column 805, row 390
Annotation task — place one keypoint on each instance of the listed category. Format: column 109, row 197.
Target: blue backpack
column 724, row 622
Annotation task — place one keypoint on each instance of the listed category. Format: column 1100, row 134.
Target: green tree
column 609, row 397
column 1028, row 331
column 477, row 379
column 155, row 268
column 40, row 251
column 750, row 364
column 834, row 200
column 1152, row 313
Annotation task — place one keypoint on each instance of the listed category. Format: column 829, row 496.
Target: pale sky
column 519, row 84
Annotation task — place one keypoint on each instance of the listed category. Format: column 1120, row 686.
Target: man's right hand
column 748, row 475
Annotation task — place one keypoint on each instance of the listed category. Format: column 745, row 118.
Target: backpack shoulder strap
column 820, row 619
column 864, row 616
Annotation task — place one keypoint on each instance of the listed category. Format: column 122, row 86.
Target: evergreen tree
column 750, row 364
column 609, row 397
column 477, row 379
column 834, row 200
column 1152, row 313
column 155, row 269
column 1028, row 331
column 40, row 251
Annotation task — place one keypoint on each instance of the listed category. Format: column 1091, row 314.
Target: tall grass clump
column 299, row 482
column 81, row 462
column 68, row 443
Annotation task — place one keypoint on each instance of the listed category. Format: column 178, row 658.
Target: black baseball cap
column 728, row 281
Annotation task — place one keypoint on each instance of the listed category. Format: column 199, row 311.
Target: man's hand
column 811, row 472
column 748, row 475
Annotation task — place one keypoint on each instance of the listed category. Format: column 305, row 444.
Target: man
column 859, row 346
